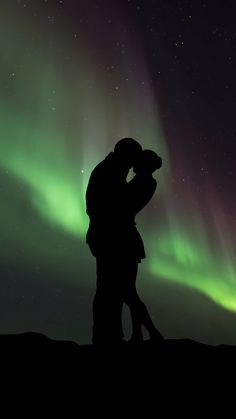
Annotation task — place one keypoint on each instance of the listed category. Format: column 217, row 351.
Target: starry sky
column 76, row 76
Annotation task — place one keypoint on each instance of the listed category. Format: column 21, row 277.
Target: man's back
column 105, row 201
column 105, row 192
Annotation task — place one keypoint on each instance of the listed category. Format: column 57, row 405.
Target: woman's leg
column 139, row 313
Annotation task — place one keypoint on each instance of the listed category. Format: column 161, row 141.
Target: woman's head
column 147, row 162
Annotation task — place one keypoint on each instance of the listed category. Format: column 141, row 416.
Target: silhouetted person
column 109, row 238
column 140, row 190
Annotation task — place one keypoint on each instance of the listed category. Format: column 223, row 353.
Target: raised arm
column 140, row 191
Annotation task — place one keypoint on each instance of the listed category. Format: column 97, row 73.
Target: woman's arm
column 140, row 191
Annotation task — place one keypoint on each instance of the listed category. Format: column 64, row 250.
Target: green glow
column 55, row 185
column 55, row 125
column 60, row 114
column 190, row 260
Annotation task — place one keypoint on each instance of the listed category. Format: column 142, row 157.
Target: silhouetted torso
column 112, row 231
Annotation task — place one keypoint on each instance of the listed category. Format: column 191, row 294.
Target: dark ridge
column 175, row 347
column 171, row 367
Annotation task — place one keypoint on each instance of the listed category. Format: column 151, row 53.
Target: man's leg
column 107, row 305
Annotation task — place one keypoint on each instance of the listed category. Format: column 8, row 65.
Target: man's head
column 148, row 162
column 128, row 150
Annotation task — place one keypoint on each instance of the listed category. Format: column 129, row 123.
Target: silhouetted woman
column 140, row 190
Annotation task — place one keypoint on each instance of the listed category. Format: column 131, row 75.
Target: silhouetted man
column 111, row 238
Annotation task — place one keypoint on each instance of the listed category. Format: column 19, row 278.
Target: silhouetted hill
column 31, row 341
column 175, row 367
column 171, row 349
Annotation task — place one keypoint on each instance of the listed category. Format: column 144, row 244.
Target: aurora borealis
column 75, row 77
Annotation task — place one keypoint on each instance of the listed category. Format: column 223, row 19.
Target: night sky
column 76, row 76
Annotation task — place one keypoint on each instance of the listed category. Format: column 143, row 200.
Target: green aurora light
column 58, row 121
